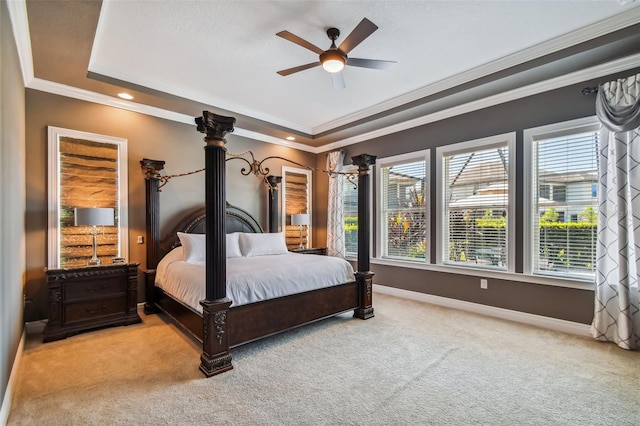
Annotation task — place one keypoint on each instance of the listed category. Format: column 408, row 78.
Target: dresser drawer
column 97, row 288
column 92, row 310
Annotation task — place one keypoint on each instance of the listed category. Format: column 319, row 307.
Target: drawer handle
column 90, row 289
column 96, row 311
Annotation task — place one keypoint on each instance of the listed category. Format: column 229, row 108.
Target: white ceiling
column 226, row 53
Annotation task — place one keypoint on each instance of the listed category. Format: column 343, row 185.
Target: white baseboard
column 507, row 314
column 35, row 327
column 8, row 394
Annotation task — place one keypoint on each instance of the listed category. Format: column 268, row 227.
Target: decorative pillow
column 262, row 244
column 194, row 246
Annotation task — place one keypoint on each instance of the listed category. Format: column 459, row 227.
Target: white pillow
column 262, row 244
column 233, row 245
column 194, row 246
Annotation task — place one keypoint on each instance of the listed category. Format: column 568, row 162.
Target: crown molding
column 597, row 71
column 532, row 89
column 617, row 22
column 98, row 98
column 197, row 97
column 20, row 23
column 186, row 94
column 18, row 16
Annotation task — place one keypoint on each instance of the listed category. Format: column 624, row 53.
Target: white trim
column 606, row 26
column 468, row 146
column 17, row 11
column 20, row 23
column 491, row 311
column 423, row 155
column 354, row 169
column 98, row 98
column 601, row 70
column 35, row 327
column 54, row 135
column 13, row 377
column 488, row 272
column 309, row 175
column 528, row 138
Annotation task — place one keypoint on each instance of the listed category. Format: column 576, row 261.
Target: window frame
column 350, row 169
column 468, row 146
column 412, row 157
column 585, row 124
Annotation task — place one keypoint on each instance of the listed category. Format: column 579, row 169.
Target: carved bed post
column 151, row 170
column 274, row 216
column 364, row 277
column 215, row 358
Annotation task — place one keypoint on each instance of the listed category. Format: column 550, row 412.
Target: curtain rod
column 590, row 90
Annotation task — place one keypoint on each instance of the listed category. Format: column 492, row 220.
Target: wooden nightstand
column 85, row 298
column 313, row 250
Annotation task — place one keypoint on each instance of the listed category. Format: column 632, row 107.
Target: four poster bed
column 219, row 322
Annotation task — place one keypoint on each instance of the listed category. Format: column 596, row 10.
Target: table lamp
column 301, row 220
column 94, row 217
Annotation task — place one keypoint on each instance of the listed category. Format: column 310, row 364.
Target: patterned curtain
column 335, row 214
column 617, row 310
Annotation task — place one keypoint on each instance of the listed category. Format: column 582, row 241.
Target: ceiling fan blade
column 337, row 80
column 299, row 41
column 363, row 30
column 299, row 68
column 371, row 63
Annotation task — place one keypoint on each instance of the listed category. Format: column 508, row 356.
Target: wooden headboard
column 237, row 220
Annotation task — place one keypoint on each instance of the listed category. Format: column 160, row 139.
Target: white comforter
column 251, row 279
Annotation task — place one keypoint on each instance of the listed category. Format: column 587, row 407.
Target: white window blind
column 403, row 218
column 475, row 206
column 564, row 208
column 350, row 194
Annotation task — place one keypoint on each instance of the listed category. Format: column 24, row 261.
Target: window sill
column 488, row 273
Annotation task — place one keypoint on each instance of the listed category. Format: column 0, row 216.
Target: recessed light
column 126, row 96
column 291, row 138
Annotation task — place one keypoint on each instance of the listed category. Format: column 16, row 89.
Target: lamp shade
column 300, row 219
column 333, row 60
column 93, row 216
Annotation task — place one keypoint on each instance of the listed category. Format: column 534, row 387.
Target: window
column 350, row 203
column 475, row 194
column 403, row 194
column 563, row 223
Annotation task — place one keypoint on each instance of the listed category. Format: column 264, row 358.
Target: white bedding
column 251, row 279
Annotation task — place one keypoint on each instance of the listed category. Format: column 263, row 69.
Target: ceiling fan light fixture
column 333, row 61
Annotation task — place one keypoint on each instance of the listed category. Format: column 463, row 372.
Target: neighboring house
column 566, row 191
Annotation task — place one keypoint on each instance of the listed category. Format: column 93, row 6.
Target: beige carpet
column 413, row 363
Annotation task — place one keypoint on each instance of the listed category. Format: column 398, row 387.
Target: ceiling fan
column 335, row 58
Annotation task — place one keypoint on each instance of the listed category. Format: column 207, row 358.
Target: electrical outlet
column 140, row 239
column 483, row 283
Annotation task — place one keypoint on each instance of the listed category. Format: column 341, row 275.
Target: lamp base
column 301, row 246
column 94, row 262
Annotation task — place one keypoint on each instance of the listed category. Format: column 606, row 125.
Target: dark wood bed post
column 215, row 358
column 274, row 215
column 364, row 277
column 151, row 170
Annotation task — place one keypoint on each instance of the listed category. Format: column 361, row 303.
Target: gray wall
column 180, row 145
column 551, row 107
column 12, row 201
